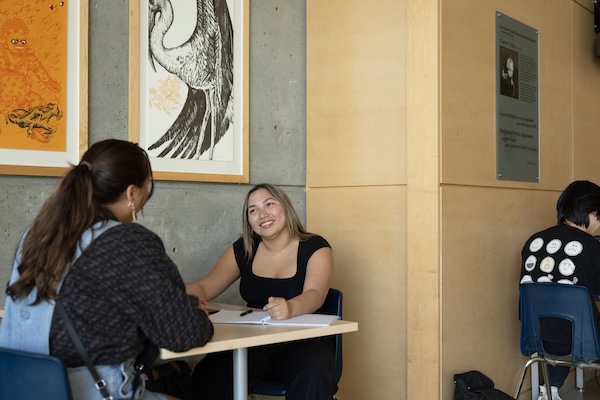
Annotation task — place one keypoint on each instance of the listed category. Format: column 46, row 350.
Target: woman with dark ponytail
column 114, row 279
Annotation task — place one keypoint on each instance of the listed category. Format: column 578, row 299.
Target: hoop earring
column 133, row 214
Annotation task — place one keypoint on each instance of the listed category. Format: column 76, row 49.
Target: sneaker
column 544, row 396
column 542, row 393
column 554, row 392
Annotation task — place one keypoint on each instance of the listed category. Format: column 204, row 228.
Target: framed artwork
column 188, row 87
column 43, row 85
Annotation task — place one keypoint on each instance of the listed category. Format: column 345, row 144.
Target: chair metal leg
column 535, row 380
column 528, row 364
column 546, row 378
column 520, row 381
column 579, row 378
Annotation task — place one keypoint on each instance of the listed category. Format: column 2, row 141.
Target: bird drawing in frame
column 205, row 64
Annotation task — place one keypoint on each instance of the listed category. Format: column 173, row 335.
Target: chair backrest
column 31, row 376
column 333, row 306
column 569, row 302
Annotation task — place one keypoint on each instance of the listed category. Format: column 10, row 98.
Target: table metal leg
column 240, row 374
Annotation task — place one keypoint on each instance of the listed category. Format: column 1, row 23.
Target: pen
column 246, row 313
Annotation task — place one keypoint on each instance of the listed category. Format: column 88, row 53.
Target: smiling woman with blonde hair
column 286, row 271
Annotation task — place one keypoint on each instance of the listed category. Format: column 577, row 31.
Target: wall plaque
column 517, row 101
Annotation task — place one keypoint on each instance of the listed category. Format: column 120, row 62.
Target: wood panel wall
column 401, row 179
column 356, row 179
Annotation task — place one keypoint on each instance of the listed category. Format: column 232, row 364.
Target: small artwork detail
column 509, row 75
column 33, row 64
column 36, row 120
column 165, row 97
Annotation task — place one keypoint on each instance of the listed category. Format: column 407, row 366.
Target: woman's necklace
column 276, row 256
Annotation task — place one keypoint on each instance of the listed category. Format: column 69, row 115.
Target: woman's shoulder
column 131, row 227
column 238, row 249
column 125, row 245
column 131, row 232
column 315, row 242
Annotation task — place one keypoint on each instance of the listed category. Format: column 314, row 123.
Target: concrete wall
column 197, row 221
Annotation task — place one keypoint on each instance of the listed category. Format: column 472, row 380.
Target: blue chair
column 31, row 376
column 569, row 302
column 331, row 306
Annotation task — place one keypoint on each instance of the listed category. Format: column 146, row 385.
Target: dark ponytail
column 105, row 172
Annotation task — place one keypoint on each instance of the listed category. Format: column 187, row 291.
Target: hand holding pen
column 278, row 308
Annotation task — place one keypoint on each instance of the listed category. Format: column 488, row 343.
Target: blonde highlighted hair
column 293, row 223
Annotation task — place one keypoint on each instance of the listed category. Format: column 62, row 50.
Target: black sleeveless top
column 256, row 290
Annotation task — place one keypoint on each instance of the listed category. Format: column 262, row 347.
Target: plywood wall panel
column 356, row 111
column 423, row 240
column 481, row 246
column 469, row 90
column 586, row 97
column 556, row 94
column 366, row 227
column 480, row 222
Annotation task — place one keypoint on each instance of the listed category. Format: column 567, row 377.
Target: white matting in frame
column 188, row 98
column 49, row 147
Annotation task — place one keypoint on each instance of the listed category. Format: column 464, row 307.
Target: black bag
column 173, row 378
column 143, row 362
column 146, row 358
column 474, row 385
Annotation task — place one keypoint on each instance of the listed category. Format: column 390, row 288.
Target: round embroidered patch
column 536, row 244
column 547, row 265
column 553, row 246
column 530, row 263
column 566, row 267
column 573, row 248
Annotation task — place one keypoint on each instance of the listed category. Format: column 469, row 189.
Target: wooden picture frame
column 43, row 86
column 171, row 102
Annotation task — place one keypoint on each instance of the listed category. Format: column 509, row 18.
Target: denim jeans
column 119, row 382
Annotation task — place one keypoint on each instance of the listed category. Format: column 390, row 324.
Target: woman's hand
column 201, row 304
column 278, row 308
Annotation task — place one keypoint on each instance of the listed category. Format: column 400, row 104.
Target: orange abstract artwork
column 33, row 74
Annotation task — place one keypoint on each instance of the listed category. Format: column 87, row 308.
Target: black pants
column 305, row 369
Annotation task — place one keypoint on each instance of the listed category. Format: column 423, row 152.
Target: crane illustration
column 205, row 64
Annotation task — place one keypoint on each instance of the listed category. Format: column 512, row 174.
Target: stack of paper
column 263, row 318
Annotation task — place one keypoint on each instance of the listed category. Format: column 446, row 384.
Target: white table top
column 235, row 336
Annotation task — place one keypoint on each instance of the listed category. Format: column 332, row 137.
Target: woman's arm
column 316, row 285
column 222, row 275
column 143, row 280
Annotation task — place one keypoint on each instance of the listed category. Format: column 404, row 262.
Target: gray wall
column 197, row 221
